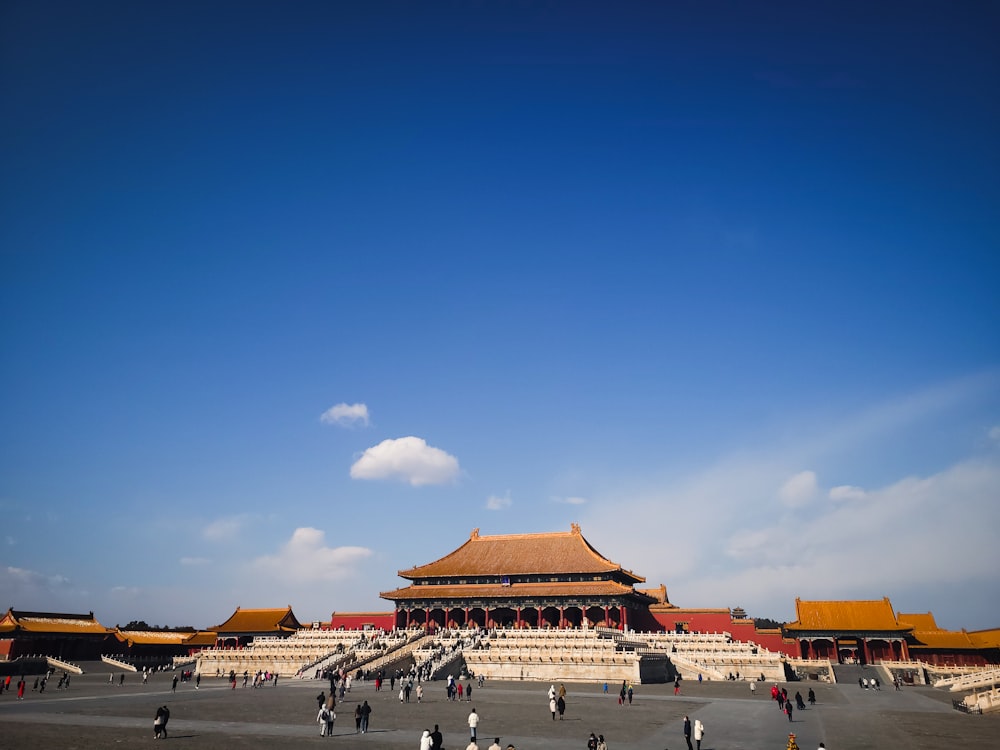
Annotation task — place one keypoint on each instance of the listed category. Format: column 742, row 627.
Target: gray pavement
column 93, row 714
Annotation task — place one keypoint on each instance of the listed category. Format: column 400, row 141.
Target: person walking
column 699, row 733
column 158, row 723
column 495, row 745
column 366, row 712
column 331, row 716
column 561, row 706
column 788, row 709
column 753, row 688
column 173, row 686
column 357, row 719
column 677, row 685
column 163, row 724
column 425, row 740
column 321, row 719
column 552, row 708
column 687, row 732
column 473, row 723
column 601, row 744
column 592, row 742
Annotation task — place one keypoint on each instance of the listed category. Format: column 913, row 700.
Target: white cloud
column 224, row 529
column 346, row 415
column 847, row 492
column 799, row 489
column 407, row 459
column 570, row 500
column 723, row 539
column 34, row 579
column 33, row 590
column 495, row 502
column 305, row 558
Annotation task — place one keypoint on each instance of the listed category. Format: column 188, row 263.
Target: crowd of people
column 457, row 689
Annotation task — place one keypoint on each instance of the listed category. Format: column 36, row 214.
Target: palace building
column 56, row 634
column 550, row 580
column 519, row 583
column 246, row 624
column 870, row 631
column 862, row 631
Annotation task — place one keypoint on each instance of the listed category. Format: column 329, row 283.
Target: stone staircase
column 850, row 674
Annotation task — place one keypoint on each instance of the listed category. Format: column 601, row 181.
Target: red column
column 624, row 612
column 865, row 651
column 607, row 614
column 517, row 622
column 562, row 621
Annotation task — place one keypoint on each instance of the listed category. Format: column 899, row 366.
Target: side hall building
column 870, row 631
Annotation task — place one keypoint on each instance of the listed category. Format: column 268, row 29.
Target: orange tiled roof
column 158, row 637
column 986, row 638
column 259, row 621
column 659, row 595
column 927, row 634
column 202, row 638
column 941, row 639
column 520, row 554
column 919, row 621
column 846, row 616
column 496, row 591
column 52, row 622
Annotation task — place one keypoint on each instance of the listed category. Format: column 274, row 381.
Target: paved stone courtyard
column 92, row 715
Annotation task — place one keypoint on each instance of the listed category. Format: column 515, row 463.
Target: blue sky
column 294, row 296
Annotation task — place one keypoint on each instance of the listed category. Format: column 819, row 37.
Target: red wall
column 361, row 620
column 722, row 622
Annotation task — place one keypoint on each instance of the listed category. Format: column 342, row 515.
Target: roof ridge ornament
column 575, row 528
column 474, row 534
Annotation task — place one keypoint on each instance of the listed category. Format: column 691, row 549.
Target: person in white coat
column 699, row 733
column 323, row 719
column 473, row 723
column 425, row 740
